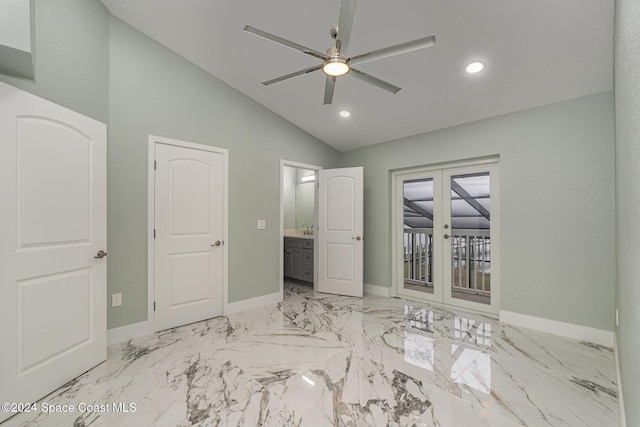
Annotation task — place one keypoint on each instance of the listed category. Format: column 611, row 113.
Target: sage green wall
column 627, row 95
column 71, row 56
column 154, row 91
column 557, row 203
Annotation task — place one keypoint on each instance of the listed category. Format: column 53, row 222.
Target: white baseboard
column 623, row 418
column 129, row 332
column 382, row 291
column 569, row 330
column 248, row 304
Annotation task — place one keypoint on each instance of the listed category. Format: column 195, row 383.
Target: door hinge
column 154, row 306
column 154, row 233
column 155, row 165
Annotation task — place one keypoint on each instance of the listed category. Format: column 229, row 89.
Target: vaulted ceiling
column 536, row 53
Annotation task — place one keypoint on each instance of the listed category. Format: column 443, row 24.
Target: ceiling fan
column 335, row 62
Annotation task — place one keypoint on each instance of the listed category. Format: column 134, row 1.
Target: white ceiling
column 537, row 53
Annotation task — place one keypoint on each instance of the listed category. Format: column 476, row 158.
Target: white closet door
column 52, row 227
column 189, row 215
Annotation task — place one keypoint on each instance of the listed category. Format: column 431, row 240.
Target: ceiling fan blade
column 297, row 73
column 329, row 86
column 373, row 80
column 285, row 42
column 347, row 12
column 393, row 50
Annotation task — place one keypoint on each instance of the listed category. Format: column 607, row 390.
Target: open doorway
column 298, row 200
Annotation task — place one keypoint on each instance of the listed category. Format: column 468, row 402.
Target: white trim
column 248, row 304
column 129, row 332
column 153, row 140
column 616, row 354
column 293, row 164
column 569, row 330
column 382, row 291
column 151, row 221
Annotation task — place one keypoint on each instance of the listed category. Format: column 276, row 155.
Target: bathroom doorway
column 298, row 220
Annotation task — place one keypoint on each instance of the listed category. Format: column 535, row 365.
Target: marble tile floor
column 326, row 360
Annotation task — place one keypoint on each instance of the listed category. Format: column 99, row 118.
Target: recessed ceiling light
column 345, row 113
column 475, row 67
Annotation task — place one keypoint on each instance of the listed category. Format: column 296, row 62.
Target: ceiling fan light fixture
column 335, row 66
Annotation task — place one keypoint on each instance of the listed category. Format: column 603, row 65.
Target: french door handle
column 217, row 243
column 446, row 236
column 100, row 254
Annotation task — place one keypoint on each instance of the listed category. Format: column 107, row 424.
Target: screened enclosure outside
column 468, row 229
column 418, row 234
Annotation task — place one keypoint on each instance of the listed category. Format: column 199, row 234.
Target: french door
column 446, row 228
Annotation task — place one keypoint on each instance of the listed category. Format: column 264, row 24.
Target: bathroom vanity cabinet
column 298, row 258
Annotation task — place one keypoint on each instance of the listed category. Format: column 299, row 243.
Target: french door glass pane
column 470, row 237
column 418, row 235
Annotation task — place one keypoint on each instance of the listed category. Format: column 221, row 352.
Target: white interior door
column 340, row 231
column 189, row 222
column 52, row 225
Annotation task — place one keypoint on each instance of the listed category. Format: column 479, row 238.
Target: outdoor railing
column 470, row 259
column 418, row 256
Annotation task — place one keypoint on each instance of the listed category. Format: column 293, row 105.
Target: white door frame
column 396, row 269
column 293, row 164
column 151, row 200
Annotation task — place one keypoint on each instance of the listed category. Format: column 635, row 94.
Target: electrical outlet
column 116, row 300
column 617, row 318
column 262, row 224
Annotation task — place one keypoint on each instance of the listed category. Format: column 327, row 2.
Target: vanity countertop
column 297, row 234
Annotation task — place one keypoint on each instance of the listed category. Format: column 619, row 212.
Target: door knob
column 100, row 254
column 356, row 238
column 217, row 243
column 446, row 236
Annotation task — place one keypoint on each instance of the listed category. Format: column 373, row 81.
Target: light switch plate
column 262, row 224
column 116, row 300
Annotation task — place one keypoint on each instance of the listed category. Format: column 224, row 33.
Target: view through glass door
column 446, row 225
